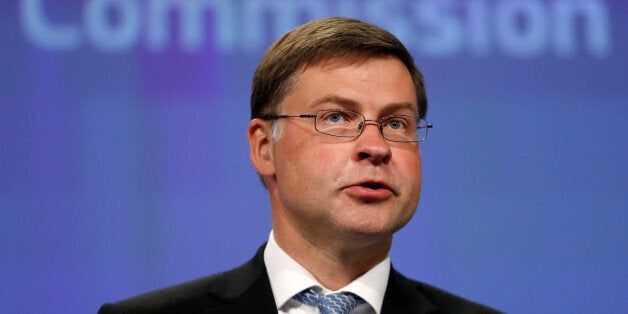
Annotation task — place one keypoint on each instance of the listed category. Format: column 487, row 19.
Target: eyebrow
column 353, row 105
column 345, row 102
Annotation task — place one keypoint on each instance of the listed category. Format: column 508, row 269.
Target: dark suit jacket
column 246, row 289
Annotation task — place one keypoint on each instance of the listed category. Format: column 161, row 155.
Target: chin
column 369, row 232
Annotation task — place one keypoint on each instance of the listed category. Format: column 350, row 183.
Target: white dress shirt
column 288, row 277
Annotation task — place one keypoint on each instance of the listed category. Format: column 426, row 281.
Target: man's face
column 354, row 188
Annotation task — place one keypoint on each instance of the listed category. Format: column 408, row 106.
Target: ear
column 261, row 147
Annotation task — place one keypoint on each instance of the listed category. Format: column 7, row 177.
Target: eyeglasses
column 347, row 123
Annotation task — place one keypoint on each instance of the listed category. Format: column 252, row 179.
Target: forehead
column 354, row 82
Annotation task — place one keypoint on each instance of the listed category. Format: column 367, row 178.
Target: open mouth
column 370, row 191
column 373, row 185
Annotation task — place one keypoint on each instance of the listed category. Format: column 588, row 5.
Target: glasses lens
column 338, row 122
column 403, row 128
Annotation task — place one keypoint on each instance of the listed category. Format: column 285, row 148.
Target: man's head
column 326, row 188
column 321, row 40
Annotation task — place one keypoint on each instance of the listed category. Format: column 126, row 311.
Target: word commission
column 519, row 29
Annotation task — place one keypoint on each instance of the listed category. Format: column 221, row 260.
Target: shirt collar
column 287, row 278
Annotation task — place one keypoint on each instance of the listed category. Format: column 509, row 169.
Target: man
column 337, row 112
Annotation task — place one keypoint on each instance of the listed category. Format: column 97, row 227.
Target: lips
column 370, row 190
column 373, row 185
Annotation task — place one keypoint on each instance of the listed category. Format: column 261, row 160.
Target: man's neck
column 334, row 263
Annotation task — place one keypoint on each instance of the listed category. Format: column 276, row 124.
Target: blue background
column 124, row 164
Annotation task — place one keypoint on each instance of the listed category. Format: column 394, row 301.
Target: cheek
column 302, row 161
column 409, row 157
column 320, row 165
column 409, row 167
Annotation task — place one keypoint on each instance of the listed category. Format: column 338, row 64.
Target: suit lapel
column 257, row 299
column 245, row 289
column 402, row 297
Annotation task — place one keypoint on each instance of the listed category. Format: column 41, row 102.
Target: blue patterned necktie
column 335, row 303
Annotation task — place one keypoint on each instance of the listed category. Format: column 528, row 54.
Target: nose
column 371, row 145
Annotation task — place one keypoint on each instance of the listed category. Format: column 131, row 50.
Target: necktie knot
column 335, row 303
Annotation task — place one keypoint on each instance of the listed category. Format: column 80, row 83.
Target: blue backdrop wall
column 124, row 164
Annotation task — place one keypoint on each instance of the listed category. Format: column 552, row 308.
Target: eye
column 396, row 123
column 335, row 117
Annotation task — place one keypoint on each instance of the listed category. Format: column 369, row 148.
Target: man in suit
column 337, row 115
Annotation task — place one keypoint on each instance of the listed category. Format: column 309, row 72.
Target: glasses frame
column 360, row 126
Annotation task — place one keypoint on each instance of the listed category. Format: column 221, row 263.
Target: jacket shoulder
column 195, row 296
column 184, row 297
column 441, row 301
